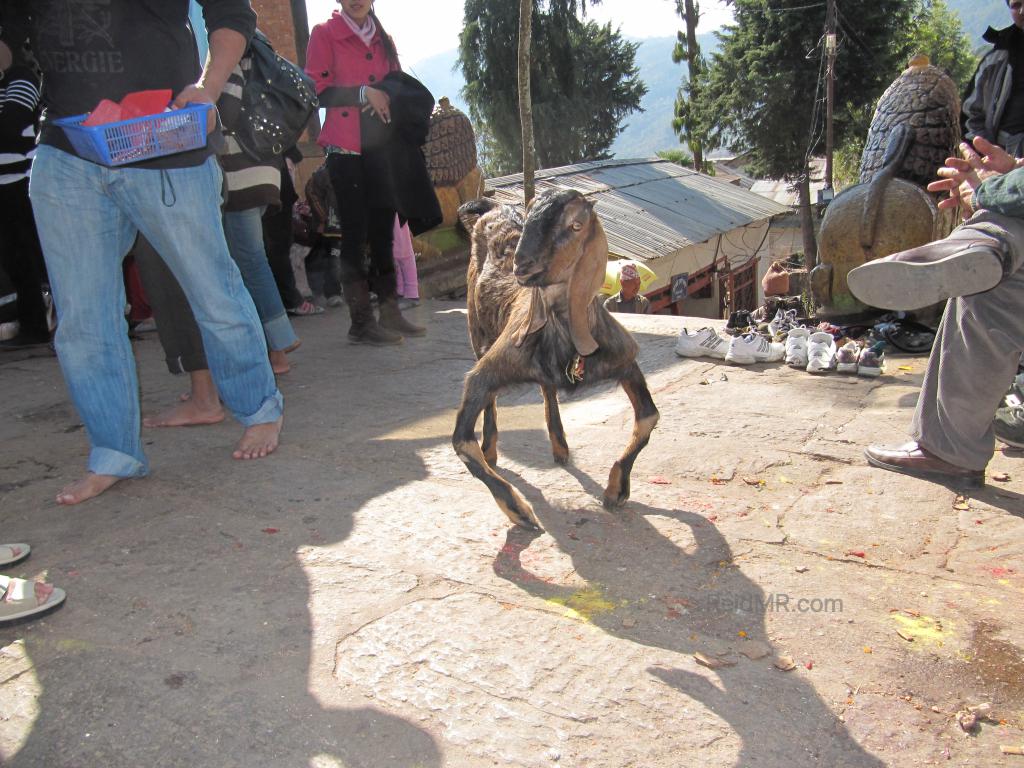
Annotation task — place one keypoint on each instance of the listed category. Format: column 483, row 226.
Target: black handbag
column 278, row 99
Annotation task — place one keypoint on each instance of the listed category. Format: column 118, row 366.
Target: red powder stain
column 270, row 530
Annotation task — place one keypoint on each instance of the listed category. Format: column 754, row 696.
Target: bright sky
column 422, row 29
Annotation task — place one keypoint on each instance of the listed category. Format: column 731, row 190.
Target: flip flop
column 13, row 553
column 19, row 599
column 305, row 308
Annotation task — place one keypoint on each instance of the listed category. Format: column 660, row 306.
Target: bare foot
column 259, row 440
column 187, row 413
column 279, row 361
column 89, row 486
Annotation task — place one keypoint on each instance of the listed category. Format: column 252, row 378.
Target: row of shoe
column 742, row 322
column 814, row 351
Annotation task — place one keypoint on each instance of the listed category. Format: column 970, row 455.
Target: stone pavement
column 358, row 600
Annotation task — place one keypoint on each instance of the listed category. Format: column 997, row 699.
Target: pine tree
column 688, row 121
column 765, row 84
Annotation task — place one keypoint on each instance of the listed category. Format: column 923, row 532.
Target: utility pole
column 830, row 86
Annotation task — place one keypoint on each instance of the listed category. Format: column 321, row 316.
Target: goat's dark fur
column 532, row 313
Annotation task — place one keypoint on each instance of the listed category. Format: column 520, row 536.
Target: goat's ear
column 584, row 283
column 536, row 317
column 470, row 213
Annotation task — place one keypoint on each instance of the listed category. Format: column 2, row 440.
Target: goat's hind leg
column 476, row 397
column 559, row 448
column 645, row 419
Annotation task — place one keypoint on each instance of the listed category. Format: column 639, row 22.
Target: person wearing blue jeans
column 88, row 216
column 244, row 233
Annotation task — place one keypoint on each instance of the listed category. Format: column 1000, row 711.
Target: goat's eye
column 577, row 226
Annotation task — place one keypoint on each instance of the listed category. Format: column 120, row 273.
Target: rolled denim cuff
column 269, row 412
column 107, row 461
column 279, row 332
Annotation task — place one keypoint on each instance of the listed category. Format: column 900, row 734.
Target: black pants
column 175, row 324
column 277, row 239
column 362, row 224
column 21, row 256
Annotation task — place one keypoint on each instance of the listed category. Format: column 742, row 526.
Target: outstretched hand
column 961, row 176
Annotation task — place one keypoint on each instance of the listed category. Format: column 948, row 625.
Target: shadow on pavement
column 684, row 594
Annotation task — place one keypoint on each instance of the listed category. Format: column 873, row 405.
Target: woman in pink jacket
column 346, row 56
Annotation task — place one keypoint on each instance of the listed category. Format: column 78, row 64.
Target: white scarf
column 365, row 32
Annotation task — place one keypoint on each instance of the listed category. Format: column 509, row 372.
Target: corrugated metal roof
column 649, row 208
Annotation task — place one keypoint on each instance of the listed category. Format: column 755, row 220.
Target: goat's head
column 563, row 242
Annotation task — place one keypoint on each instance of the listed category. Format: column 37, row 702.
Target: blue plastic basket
column 141, row 138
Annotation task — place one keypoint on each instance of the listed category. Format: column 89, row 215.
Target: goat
column 533, row 316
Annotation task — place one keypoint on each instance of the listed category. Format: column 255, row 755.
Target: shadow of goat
column 534, row 317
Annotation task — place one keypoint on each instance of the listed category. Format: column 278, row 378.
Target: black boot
column 391, row 319
column 365, row 329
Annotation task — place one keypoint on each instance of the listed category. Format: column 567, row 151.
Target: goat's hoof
column 561, row 459
column 519, row 511
column 614, row 501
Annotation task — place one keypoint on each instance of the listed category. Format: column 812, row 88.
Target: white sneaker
column 796, row 347
column 753, row 348
column 821, row 352
column 704, row 343
column 847, row 356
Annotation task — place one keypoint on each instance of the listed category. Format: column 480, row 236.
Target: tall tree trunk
column 525, row 102
column 807, row 221
column 693, row 68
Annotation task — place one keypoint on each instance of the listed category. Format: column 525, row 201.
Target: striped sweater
column 19, row 116
column 250, row 184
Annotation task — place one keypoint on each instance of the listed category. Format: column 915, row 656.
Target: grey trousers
column 975, row 355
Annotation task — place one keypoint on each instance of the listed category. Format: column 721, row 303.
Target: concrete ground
column 358, row 599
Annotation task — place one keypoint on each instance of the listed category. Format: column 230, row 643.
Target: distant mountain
column 977, row 15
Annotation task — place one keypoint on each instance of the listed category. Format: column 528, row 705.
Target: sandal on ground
column 19, row 599
column 305, row 308
column 13, row 553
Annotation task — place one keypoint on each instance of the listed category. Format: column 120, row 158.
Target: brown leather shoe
column 911, row 459
column 929, row 274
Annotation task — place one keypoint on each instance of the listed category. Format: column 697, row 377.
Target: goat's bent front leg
column 478, row 395
column 556, row 434
column 489, row 441
column 646, row 418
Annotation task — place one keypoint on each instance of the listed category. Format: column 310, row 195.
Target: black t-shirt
column 91, row 50
column 1012, row 120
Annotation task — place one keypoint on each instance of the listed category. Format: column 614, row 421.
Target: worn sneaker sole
column 701, row 352
column 740, row 360
column 904, row 285
column 869, row 371
column 1011, row 442
column 846, row 367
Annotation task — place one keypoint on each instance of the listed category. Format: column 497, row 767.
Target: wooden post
column 525, row 102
